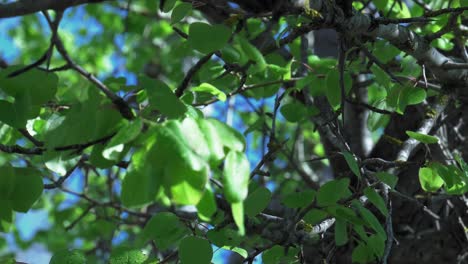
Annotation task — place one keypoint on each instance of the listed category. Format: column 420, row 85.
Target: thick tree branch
column 26, row 7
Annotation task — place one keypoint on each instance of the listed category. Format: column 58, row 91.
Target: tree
column 287, row 131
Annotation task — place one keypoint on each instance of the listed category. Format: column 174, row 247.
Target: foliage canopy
column 194, row 131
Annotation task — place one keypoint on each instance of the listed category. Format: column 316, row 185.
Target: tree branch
column 26, row 7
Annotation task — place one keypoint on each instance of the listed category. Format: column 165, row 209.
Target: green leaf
column 214, row 140
column 463, row 165
column 333, row 90
column 448, row 175
column 385, row 51
column 458, row 188
column 430, row 180
column 199, row 33
column 68, row 257
column 165, row 229
column 381, row 77
column 413, row 95
column 278, row 254
column 20, row 187
column 376, row 120
column 376, row 200
column 423, row 138
column 362, row 254
column 168, row 5
column 162, row 98
column 180, row 11
column 39, row 85
column 294, row 112
column 195, row 250
column 390, row 179
column 142, row 182
column 331, row 192
column 95, row 159
column 190, row 134
column 124, row 135
column 257, row 201
column 87, row 121
column 236, row 176
column 138, row 188
column 377, row 244
column 370, row 218
column 315, row 216
column 224, row 237
column 299, row 199
column 208, row 88
column 14, row 114
column 242, row 252
column 341, row 233
column 185, row 173
column 345, row 213
column 231, row 138
column 126, row 255
column 207, row 205
column 30, row 91
column 253, row 54
column 352, row 163
column 237, row 210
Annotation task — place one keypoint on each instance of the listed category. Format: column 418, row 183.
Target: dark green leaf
column 299, row 199
column 377, row 244
column 333, row 91
column 165, row 229
column 180, row 11
column 390, row 179
column 68, row 257
column 371, row 220
column 341, row 234
column 352, row 163
column 257, row 201
column 332, row 191
column 162, row 98
column 376, row 200
column 294, row 112
column 20, row 187
column 195, row 250
column 207, row 205
column 315, row 216
column 362, row 254
column 218, row 36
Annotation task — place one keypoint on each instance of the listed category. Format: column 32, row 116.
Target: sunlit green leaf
column 208, row 88
column 236, row 176
column 423, row 138
column 126, row 255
